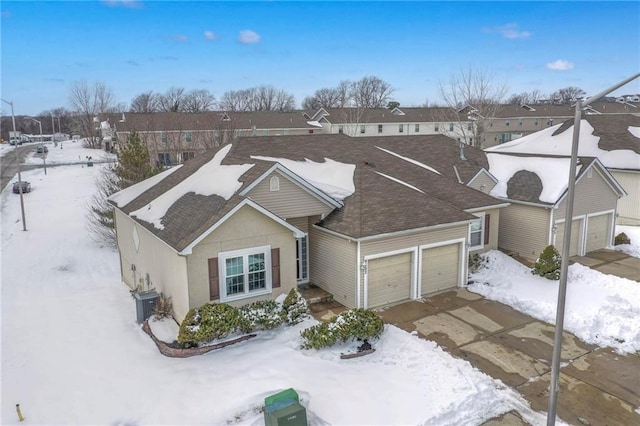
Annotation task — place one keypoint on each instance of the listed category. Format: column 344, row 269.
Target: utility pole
column 564, row 266
column 13, row 120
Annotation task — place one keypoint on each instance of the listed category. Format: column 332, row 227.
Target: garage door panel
column 389, row 280
column 576, row 231
column 598, row 232
column 440, row 268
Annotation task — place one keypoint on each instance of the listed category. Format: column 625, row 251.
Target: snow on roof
column 212, row 178
column 332, row 177
column 410, row 160
column 553, row 172
column 127, row 195
column 401, row 182
column 314, row 123
column 543, row 142
column 635, row 131
column 105, row 125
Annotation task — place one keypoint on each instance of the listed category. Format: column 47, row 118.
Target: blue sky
column 139, row 46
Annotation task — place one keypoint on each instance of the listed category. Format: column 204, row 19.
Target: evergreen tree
column 133, row 166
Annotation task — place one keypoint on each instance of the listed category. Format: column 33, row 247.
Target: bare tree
column 371, row 92
column 171, row 100
column 567, row 95
column 88, row 101
column 471, row 97
column 262, row 98
column 145, row 102
column 327, row 97
column 198, row 100
column 525, row 98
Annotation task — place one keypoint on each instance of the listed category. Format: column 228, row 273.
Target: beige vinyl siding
column 440, row 266
column 482, row 183
column 291, row 200
column 598, row 232
column 389, row 279
column 247, row 228
column 167, row 270
column 629, row 205
column 302, row 223
column 591, row 195
column 576, row 237
column 332, row 265
column 524, row 229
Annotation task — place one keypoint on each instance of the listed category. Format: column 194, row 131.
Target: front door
column 302, row 259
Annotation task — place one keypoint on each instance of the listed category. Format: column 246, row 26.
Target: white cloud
column 560, row 65
column 248, row 37
column 180, row 38
column 210, row 35
column 510, row 31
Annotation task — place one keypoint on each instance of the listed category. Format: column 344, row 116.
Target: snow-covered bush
column 295, row 307
column 360, row 324
column 476, row 262
column 621, row 238
column 261, row 315
column 207, row 323
column 548, row 264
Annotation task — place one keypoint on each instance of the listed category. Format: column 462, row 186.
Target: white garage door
column 440, row 268
column 389, row 280
column 598, row 232
column 576, row 231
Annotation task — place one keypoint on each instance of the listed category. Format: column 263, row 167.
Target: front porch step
column 314, row 294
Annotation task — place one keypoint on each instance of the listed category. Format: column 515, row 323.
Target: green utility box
column 284, row 409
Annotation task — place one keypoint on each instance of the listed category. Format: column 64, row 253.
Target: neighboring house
column 368, row 122
column 175, row 137
column 373, row 221
column 515, row 121
column 536, row 188
column 613, row 139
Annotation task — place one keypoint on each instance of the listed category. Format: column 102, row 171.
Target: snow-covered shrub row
column 358, row 324
column 217, row 320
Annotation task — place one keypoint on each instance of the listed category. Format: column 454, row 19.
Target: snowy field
column 73, row 354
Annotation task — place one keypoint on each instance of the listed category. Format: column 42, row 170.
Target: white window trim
column 482, row 231
column 244, row 253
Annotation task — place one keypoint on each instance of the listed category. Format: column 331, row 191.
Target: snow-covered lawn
column 600, row 309
column 72, row 352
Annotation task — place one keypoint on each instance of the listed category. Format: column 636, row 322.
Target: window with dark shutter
column 214, row 285
column 275, row 267
column 487, row 222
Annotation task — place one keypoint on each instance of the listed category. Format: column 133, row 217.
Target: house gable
column 287, row 195
column 483, row 181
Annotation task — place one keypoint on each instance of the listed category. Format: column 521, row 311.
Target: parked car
column 42, row 150
column 15, row 142
column 26, row 186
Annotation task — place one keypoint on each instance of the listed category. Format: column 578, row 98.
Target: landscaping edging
column 171, row 352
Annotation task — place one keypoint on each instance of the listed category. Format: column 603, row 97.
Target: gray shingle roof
column 379, row 204
column 612, row 130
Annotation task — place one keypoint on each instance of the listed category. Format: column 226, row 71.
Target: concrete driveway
column 597, row 386
column 611, row 262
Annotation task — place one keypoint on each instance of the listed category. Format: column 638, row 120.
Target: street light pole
column 564, row 266
column 53, row 130
column 44, row 159
column 13, row 120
